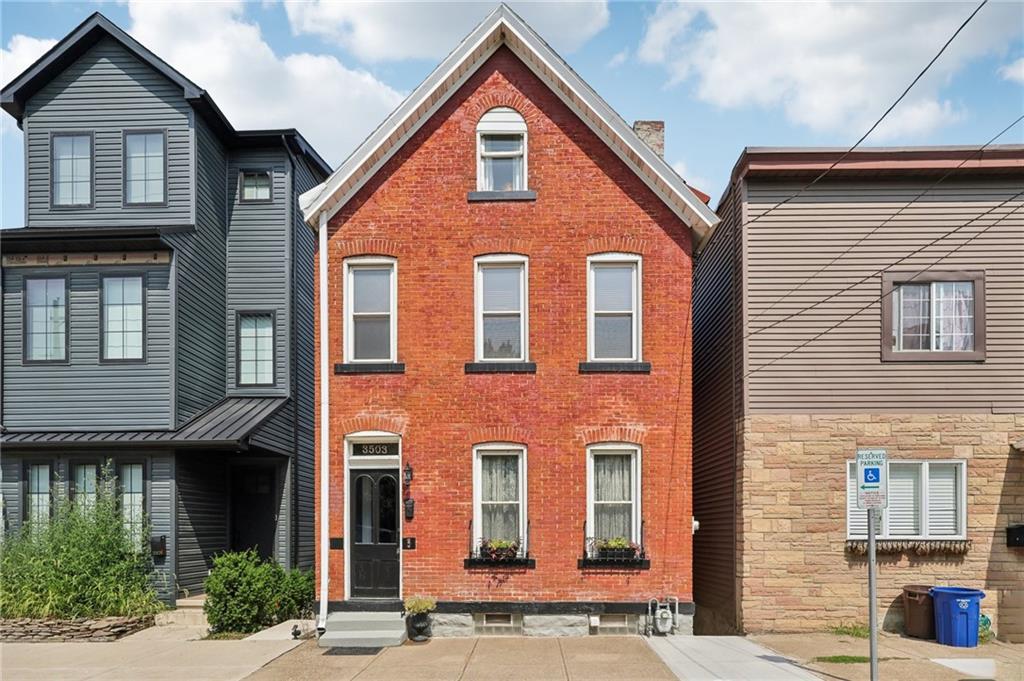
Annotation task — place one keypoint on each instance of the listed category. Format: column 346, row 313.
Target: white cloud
column 21, row 52
column 391, row 31
column 1013, row 71
column 334, row 106
column 830, row 66
column 618, row 59
column 696, row 181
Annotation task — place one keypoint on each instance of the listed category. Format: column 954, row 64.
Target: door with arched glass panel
column 374, row 542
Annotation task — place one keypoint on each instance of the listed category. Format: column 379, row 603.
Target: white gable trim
column 504, row 27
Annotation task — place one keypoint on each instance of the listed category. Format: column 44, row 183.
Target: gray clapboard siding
column 278, row 432
column 202, row 516
column 841, row 370
column 85, row 394
column 162, row 521
column 283, row 528
column 10, row 492
column 200, row 275
column 106, row 92
column 257, row 261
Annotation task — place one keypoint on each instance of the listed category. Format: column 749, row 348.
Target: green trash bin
column 918, row 612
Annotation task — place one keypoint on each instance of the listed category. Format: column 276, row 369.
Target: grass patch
column 853, row 659
column 225, row 636
column 852, row 629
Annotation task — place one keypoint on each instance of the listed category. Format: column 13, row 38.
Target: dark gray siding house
column 157, row 309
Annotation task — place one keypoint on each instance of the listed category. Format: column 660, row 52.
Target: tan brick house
column 881, row 307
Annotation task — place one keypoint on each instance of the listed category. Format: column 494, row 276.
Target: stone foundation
column 451, row 624
column 796, row 569
column 53, row 630
column 556, row 625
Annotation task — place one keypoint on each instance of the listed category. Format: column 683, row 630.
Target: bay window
column 927, row 500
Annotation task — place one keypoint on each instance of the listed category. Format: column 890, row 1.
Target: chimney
column 653, row 135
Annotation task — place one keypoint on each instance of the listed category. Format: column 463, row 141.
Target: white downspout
column 325, row 420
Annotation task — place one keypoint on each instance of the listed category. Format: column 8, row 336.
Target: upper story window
column 371, row 319
column 71, row 173
column 613, row 307
column 613, row 492
column 499, row 509
column 255, row 186
column 501, row 151
column 46, row 320
column 37, row 498
column 123, row 318
column 933, row 316
column 926, row 501
column 501, row 308
column 144, row 164
column 255, row 348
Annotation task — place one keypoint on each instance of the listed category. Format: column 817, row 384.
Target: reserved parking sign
column 872, row 479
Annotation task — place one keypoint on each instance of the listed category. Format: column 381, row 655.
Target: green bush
column 82, row 563
column 245, row 593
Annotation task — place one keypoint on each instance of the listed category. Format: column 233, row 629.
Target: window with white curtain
column 46, row 319
column 144, row 167
column 501, row 308
column 132, row 500
column 936, row 316
column 370, row 310
column 613, row 492
column 613, row 303
column 501, row 151
column 926, row 501
column 122, row 318
column 85, row 480
column 71, row 170
column 37, row 501
column 255, row 348
column 499, row 493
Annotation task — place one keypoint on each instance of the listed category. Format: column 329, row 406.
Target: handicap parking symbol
column 872, row 475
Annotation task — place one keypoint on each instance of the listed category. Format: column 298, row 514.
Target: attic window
column 255, row 186
column 501, row 151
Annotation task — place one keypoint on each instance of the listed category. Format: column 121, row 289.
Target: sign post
column 872, row 494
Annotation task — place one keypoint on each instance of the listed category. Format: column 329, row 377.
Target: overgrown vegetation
column 853, row 629
column 245, row 593
column 81, row 562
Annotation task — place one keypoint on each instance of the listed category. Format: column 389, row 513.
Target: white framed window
column 71, row 170
column 133, row 502
column 255, row 348
column 936, row 316
column 144, row 162
column 502, row 302
column 37, row 498
column 122, row 318
column 613, row 492
column 501, row 151
column 499, row 494
column 46, row 319
column 614, row 324
column 927, row 500
column 371, row 303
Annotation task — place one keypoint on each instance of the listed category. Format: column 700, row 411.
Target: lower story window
column 84, row 491
column 926, row 501
column 613, row 492
column 500, row 508
column 38, row 498
column 132, row 500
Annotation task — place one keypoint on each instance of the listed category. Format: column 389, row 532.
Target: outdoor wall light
column 408, row 474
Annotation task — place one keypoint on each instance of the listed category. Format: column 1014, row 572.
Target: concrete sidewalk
column 156, row 653
column 725, row 658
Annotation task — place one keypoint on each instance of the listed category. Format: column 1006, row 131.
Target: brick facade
column 794, row 570
column 415, row 209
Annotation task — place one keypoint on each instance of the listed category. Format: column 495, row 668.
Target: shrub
column 82, row 563
column 245, row 593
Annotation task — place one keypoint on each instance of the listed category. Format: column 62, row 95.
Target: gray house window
column 933, row 316
column 46, row 320
column 255, row 186
column 122, row 318
column 72, row 170
column 84, row 490
column 144, row 154
column 255, row 348
column 37, row 506
column 132, row 500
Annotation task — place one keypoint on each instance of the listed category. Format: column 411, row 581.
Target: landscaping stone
column 27, row 629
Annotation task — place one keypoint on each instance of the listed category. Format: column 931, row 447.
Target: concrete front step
column 361, row 639
column 187, row 612
column 372, row 629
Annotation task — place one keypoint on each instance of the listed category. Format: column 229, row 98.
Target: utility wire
column 977, row 152
column 887, row 294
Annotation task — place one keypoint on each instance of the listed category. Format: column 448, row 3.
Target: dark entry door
column 253, row 509
column 373, row 536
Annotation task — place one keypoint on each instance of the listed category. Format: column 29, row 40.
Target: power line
column 887, row 294
column 889, row 219
column 882, row 118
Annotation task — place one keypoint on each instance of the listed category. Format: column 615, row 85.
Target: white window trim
column 924, row 536
column 594, row 261
column 348, row 339
column 508, row 260
column 485, row 128
column 480, row 451
column 609, row 447
column 933, row 308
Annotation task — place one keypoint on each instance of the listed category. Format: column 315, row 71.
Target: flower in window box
column 499, row 549
column 617, row 548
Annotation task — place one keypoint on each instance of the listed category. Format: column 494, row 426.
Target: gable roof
column 76, row 43
column 505, row 27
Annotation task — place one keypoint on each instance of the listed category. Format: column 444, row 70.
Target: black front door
column 373, row 536
column 254, row 503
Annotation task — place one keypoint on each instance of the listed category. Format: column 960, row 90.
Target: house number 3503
column 375, row 449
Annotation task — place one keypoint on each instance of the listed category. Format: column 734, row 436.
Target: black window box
column 501, row 367
column 615, row 367
column 526, row 195
column 636, row 563
column 370, row 368
column 477, row 562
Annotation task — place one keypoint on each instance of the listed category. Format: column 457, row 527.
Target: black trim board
column 615, row 367
column 501, row 367
column 514, row 607
column 370, row 368
column 499, row 564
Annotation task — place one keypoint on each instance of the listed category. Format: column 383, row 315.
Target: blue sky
column 722, row 75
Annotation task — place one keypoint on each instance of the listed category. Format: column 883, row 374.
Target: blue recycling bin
column 956, row 615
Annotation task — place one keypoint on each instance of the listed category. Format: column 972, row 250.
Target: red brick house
column 504, row 384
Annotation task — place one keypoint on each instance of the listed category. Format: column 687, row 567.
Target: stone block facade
column 795, row 570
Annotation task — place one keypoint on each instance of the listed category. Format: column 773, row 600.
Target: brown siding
column 841, row 370
column 717, row 397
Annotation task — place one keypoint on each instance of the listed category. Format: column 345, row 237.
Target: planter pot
column 418, row 626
